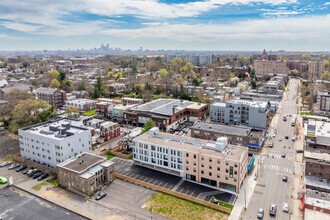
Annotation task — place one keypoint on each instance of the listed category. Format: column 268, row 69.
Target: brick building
column 85, row 174
column 53, row 96
column 84, row 105
column 109, row 130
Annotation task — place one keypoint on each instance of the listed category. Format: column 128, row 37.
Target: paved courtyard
column 168, row 181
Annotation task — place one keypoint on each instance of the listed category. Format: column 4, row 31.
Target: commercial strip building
column 254, row 114
column 215, row 163
column 53, row 96
column 85, row 173
column 166, row 113
column 317, row 134
column 53, row 142
column 237, row 135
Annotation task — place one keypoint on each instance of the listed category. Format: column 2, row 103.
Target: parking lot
column 128, row 198
column 19, row 178
column 17, row 204
column 175, row 183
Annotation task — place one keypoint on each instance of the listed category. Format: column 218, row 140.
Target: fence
column 171, row 192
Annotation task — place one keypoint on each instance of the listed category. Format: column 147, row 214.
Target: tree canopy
column 147, row 126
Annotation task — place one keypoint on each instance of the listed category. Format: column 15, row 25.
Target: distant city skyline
column 241, row 25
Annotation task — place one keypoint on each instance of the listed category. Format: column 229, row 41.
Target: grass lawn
column 54, row 182
column 223, row 204
column 38, row 187
column 91, row 112
column 176, row 208
column 9, row 158
column 110, row 156
column 131, row 158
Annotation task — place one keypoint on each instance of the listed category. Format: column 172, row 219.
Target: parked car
column 36, row 174
column 177, row 132
column 3, row 180
column 283, row 155
column 20, row 168
column 285, row 207
column 280, row 139
column 286, row 136
column 43, row 176
column 100, row 195
column 293, row 139
column 27, row 170
column 260, row 214
column 272, row 209
column 285, row 178
column 32, row 172
column 271, row 145
column 13, row 166
column 300, row 151
column 5, row 164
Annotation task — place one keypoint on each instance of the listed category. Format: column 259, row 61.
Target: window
column 235, row 179
column 226, row 170
column 187, row 161
column 202, row 157
column 202, row 171
column 194, row 170
column 187, row 168
column 153, row 148
column 226, row 177
column 194, row 163
column 194, row 156
column 202, row 165
column 218, row 175
column 187, row 154
column 218, row 168
column 218, row 161
column 210, row 173
column 210, row 159
column 210, row 166
column 235, row 164
column 227, row 163
column 235, row 172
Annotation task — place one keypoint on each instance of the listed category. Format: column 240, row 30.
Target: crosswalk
column 277, row 168
column 273, row 155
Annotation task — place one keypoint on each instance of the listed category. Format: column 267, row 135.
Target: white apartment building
column 53, row 142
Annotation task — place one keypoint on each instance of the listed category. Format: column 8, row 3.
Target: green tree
column 62, row 76
column 46, row 114
column 326, row 76
column 100, row 89
column 147, row 126
column 54, row 83
column 72, row 112
column 27, row 113
column 195, row 82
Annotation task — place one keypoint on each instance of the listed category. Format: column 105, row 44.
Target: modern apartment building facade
column 315, row 69
column 53, row 142
column 214, row 163
column 85, row 173
column 53, row 96
column 254, row 114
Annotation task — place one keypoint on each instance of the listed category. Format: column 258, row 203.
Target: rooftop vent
column 81, row 162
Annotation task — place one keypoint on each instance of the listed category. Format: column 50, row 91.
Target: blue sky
column 160, row 24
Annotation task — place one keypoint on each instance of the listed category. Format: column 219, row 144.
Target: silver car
column 260, row 214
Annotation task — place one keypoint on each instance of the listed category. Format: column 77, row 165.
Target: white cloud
column 275, row 28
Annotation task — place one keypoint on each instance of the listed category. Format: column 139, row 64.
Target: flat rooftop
column 52, row 129
column 195, row 145
column 317, row 156
column 165, row 106
column 82, row 162
column 225, row 129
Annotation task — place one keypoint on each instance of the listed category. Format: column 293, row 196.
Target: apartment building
column 263, row 67
column 102, row 108
column 53, row 96
column 84, row 105
column 85, row 173
column 315, row 69
column 166, row 113
column 254, row 114
column 109, row 130
column 53, row 142
column 323, row 98
column 215, row 163
column 116, row 88
column 237, row 135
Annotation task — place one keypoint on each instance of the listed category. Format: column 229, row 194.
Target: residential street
column 270, row 188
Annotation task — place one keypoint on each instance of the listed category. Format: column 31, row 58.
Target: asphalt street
column 270, row 188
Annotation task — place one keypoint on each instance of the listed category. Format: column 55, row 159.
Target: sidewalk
column 247, row 189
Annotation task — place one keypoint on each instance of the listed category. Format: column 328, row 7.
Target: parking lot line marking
column 165, row 185
column 155, row 182
column 187, row 192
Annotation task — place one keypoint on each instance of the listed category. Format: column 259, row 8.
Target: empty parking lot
column 171, row 182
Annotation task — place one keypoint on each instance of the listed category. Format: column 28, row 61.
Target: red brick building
column 109, row 130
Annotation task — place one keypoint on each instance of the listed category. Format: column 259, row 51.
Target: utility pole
column 245, row 197
column 151, row 211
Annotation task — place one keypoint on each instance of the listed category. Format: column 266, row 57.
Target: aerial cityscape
column 156, row 109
